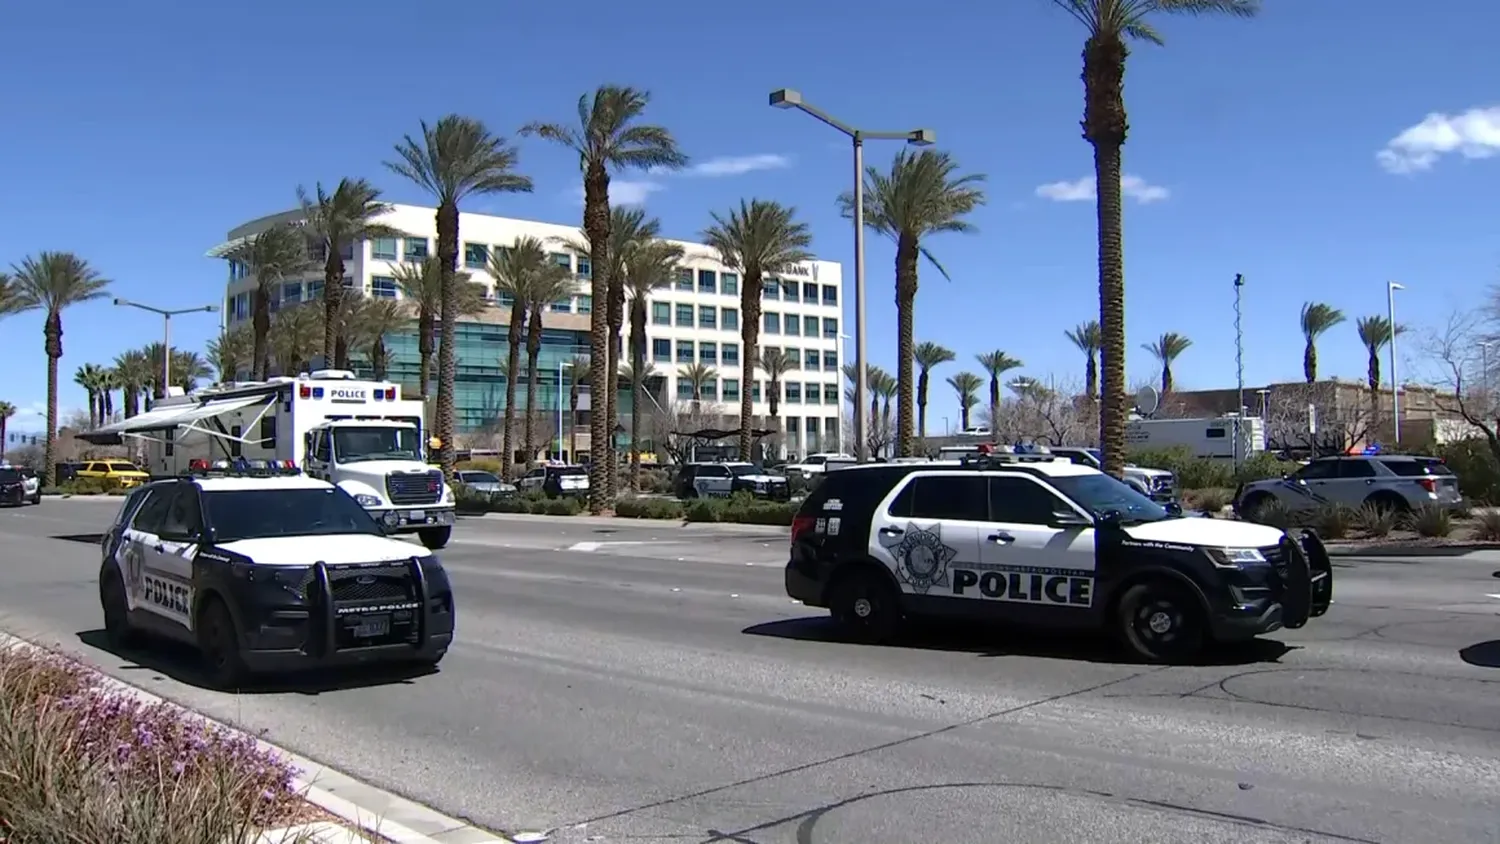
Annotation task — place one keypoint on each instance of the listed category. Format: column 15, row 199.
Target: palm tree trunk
column 425, row 325
column 572, row 423
column 109, row 404
column 512, row 371
column 1105, row 127
column 262, row 327
column 616, row 319
column 872, row 421
column 596, row 226
column 749, row 335
column 533, row 377
column 378, row 360
column 922, row 405
column 2, row 437
column 994, row 404
column 447, row 247
column 1166, row 379
column 963, row 415
column 53, row 332
column 1091, row 378
column 637, row 373
column 93, row 407
column 906, row 306
column 333, row 303
column 1310, row 362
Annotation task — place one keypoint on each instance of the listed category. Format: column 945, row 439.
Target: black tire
column 219, row 645
column 866, row 606
column 1389, row 501
column 1161, row 622
column 1296, row 598
column 435, row 538
column 116, row 608
column 36, row 500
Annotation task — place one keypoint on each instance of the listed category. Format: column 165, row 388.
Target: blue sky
column 138, row 134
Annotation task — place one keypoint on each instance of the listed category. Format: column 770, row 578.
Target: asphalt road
column 655, row 684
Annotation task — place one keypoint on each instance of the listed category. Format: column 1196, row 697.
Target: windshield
column 743, row 469
column 352, row 445
column 9, row 476
column 569, row 471
column 262, row 513
column 1100, row 494
column 478, row 478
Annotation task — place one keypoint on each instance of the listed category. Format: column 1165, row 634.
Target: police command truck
column 1037, row 540
column 359, row 435
column 263, row 569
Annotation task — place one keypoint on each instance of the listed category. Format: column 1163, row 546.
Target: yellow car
column 126, row 475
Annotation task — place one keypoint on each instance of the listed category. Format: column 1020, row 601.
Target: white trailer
column 1211, row 437
column 359, row 435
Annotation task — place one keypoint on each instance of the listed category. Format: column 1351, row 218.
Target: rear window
column 570, row 471
column 122, row 467
column 1418, row 468
column 858, row 491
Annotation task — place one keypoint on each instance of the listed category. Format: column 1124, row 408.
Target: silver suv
column 1159, row 485
column 1389, row 481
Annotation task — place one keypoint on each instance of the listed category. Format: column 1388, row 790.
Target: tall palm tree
column 134, row 371
column 109, row 382
column 776, row 365
column 966, row 385
column 922, row 195
column 374, row 320
column 333, row 221
column 1375, row 334
column 885, row 388
column 638, row 376
column 873, row 374
column 648, row 266
column 7, row 410
column 927, row 356
column 697, row 376
column 188, row 368
column 296, row 336
column 1167, row 348
column 1087, row 338
column 1108, row 24
column 455, row 159
column 578, row 368
column 608, row 138
column 89, row 378
column 550, row 283
column 521, row 272
column 421, row 285
column 272, row 255
column 996, row 364
column 54, row 282
column 758, row 238
column 233, row 350
column 1317, row 318
column 10, row 296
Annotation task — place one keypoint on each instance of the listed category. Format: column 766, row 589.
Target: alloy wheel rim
column 863, row 608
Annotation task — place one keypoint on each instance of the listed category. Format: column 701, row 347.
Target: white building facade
column 695, row 319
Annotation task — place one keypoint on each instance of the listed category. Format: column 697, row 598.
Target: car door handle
column 161, row 549
column 1001, row 538
column 890, row 531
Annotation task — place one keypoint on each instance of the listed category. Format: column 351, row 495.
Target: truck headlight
column 1231, row 558
column 368, row 501
column 447, row 494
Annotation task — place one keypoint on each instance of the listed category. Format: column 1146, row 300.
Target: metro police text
column 1060, row 589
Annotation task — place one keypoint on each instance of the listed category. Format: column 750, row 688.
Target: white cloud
column 738, row 165
column 1472, row 134
column 623, row 192
column 1082, row 190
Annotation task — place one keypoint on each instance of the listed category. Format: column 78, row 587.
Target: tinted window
column 478, row 478
column 9, row 476
column 1022, row 502
column 1319, row 470
column 569, row 471
column 1417, row 468
column 149, row 518
column 183, row 515
column 1100, row 493
column 1356, row 469
column 743, row 469
column 260, row 513
column 122, row 467
column 962, row 497
column 131, row 502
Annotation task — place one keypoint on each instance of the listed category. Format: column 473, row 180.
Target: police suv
column 1037, row 540
column 265, row 570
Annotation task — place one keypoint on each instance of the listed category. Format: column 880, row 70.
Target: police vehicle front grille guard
column 321, row 599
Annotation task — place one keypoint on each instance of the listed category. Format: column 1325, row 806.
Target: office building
column 695, row 319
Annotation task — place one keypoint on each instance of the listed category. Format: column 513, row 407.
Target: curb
column 1456, row 550
column 371, row 815
column 622, row 522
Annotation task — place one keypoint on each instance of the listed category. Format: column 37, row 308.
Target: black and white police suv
column 1037, row 540
column 265, row 570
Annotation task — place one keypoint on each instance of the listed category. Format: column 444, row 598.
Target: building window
column 810, row 326
column 708, row 282
column 793, row 357
column 351, row 283
column 562, row 306
column 383, row 286
column 830, row 328
column 809, row 292
column 661, row 350
column 685, row 279
column 813, row 393
column 830, row 394
column 730, row 354
column 793, row 392
column 383, row 248
column 314, row 290
column 347, row 252
column 731, row 389
column 708, row 316
column 661, row 313
column 504, row 300
column 730, row 319
column 585, row 304
column 830, row 295
column 708, row 354
column 770, row 289
column 476, row 255
column 831, row 361
column 416, row 249
column 771, row 323
column 755, row 391
column 710, row 390
column 585, row 267
column 729, row 285
column 810, row 359
column 564, row 260
column 685, row 351
column 684, row 389
column 793, row 325
column 291, row 292
column 684, row 315
column 789, row 291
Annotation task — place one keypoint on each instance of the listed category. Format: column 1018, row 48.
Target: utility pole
column 1239, row 368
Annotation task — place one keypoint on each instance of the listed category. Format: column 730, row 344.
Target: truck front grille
column 415, row 488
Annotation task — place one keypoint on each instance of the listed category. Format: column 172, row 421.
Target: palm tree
column 421, row 285
column 272, row 255
column 10, row 296
column 1375, row 333
column 335, row 220
column 455, row 159
column 523, row 272
column 966, row 385
column 1316, row 319
column 1108, row 24
column 109, row 381
column 776, row 365
column 698, row 376
column 578, row 372
column 89, row 378
column 637, row 375
column 134, row 371
column 7, row 410
column 996, row 364
column 188, row 368
column 922, row 195
column 873, row 374
column 550, row 283
column 884, row 388
column 233, row 349
column 296, row 336
column 374, row 320
column 1167, row 348
column 54, row 282
column 758, row 238
column 1087, row 338
column 648, row 266
column 927, row 356
column 608, row 138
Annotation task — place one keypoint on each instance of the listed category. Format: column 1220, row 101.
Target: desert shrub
column 564, row 506
column 1200, row 473
column 1477, row 470
column 467, row 500
column 648, row 508
column 1430, row 521
column 86, row 486
column 1273, row 514
column 1463, row 510
column 1332, row 521
column 1211, row 500
column 1375, row 521
column 741, row 508
column 82, row 763
column 1487, row 526
column 657, row 480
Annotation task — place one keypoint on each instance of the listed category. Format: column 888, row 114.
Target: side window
column 132, row 501
column 715, row 472
column 1356, row 469
column 235, row 446
column 1319, row 470
column 149, row 518
column 952, row 497
column 1019, row 501
column 98, row 467
column 320, row 446
column 268, row 431
column 183, row 518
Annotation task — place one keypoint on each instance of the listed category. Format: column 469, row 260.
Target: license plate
column 417, row 516
column 371, row 626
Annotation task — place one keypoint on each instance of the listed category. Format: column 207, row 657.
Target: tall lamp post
column 1390, row 301
column 1484, row 368
column 166, row 332
column 788, row 98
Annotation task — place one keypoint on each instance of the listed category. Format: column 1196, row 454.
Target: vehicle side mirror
column 1068, row 518
column 1173, row 508
column 1111, row 518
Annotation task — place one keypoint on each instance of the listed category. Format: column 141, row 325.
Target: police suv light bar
column 241, row 467
column 989, row 455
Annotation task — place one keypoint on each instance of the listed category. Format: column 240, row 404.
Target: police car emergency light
column 992, row 455
column 240, row 467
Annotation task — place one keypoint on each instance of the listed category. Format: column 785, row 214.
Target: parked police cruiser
column 1037, row 540
column 265, row 570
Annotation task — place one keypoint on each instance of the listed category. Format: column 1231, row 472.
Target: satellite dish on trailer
column 1147, row 400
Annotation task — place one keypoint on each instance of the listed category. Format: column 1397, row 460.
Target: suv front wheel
column 1161, row 622
column 866, row 606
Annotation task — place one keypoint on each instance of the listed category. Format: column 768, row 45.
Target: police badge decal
column 923, row 558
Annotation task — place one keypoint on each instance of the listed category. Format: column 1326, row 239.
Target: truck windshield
column 1101, row 493
column 352, row 445
column 262, row 513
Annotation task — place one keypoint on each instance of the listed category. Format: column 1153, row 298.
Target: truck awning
column 168, row 418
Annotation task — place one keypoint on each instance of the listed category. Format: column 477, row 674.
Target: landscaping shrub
column 1273, row 514
column 1211, row 500
column 1430, row 521
column 466, row 500
column 85, row 486
column 565, row 506
column 1375, row 521
column 81, row 764
column 1487, row 526
column 740, row 508
column 648, row 508
column 1201, row 473
column 656, row 479
column 1332, row 521
column 1478, row 473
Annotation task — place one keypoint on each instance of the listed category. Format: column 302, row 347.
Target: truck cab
column 380, row 463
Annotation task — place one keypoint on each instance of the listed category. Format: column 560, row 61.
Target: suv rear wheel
column 866, row 606
column 1388, row 502
column 1161, row 622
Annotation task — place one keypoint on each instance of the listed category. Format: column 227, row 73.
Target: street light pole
column 1484, row 368
column 1390, row 300
column 788, row 98
column 166, row 333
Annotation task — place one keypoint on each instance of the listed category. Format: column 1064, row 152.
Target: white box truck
column 1211, row 437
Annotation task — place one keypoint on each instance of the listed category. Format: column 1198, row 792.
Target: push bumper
column 288, row 661
column 1302, row 591
column 15, row 495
